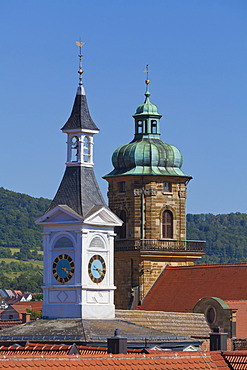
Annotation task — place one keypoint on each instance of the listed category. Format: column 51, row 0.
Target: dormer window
column 154, row 127
column 74, row 149
column 86, row 149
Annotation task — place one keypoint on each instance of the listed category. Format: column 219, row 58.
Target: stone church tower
column 147, row 190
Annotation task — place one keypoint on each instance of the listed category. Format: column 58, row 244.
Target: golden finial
column 80, row 71
column 146, row 71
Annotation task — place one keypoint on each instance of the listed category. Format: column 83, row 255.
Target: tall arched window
column 86, row 149
column 167, row 224
column 74, row 149
column 154, row 127
column 121, row 230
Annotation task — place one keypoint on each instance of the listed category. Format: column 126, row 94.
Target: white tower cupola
column 78, row 232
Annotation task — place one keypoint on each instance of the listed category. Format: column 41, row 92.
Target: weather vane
column 146, row 71
column 80, row 71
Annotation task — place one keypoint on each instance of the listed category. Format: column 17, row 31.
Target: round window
column 210, row 315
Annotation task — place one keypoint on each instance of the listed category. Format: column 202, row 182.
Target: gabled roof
column 80, row 117
column 179, row 288
column 78, row 190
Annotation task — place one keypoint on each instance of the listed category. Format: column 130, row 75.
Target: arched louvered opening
column 86, row 149
column 74, row 149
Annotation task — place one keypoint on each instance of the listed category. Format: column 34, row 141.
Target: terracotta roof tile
column 163, row 360
column 54, row 349
column 32, row 305
column 237, row 360
column 192, row 324
column 179, row 288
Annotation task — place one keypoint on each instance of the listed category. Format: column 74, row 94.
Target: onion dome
column 147, row 107
column 147, row 154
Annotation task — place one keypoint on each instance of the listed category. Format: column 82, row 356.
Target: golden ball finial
column 147, row 82
column 80, row 71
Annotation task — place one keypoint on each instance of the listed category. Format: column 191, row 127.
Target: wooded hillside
column 17, row 215
column 20, row 239
column 225, row 235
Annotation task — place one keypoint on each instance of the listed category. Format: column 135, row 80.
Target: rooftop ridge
column 244, row 264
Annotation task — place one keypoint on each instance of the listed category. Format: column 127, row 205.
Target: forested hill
column 17, row 215
column 225, row 235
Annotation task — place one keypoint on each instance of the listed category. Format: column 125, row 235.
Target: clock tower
column 78, row 235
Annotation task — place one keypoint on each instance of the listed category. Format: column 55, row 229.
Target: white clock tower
column 78, row 232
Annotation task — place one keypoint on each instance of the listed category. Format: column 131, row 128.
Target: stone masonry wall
column 144, row 198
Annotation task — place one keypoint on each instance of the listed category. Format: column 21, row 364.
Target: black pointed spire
column 80, row 116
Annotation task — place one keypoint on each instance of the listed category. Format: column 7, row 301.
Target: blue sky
column 197, row 55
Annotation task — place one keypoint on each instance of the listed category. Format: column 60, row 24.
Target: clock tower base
column 68, row 303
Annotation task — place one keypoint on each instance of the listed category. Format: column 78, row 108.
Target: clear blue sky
column 197, row 53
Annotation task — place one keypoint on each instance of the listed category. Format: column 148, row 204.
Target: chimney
column 26, row 317
column 218, row 340
column 117, row 344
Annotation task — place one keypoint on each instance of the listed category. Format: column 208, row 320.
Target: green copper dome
column 147, row 154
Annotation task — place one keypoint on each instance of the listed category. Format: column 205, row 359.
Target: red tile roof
column 179, row 288
column 161, row 360
column 4, row 324
column 53, row 349
column 32, row 305
column 236, row 359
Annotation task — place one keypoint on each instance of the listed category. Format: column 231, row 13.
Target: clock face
column 97, row 268
column 63, row 268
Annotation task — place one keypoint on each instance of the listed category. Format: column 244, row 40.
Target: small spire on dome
column 146, row 71
column 80, row 71
column 147, row 82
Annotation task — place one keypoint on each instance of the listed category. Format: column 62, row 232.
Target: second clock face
column 97, row 268
column 63, row 268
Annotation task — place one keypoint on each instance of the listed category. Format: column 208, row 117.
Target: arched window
column 63, row 242
column 74, row 149
column 86, row 149
column 154, row 127
column 139, row 127
column 167, row 225
column 121, row 230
